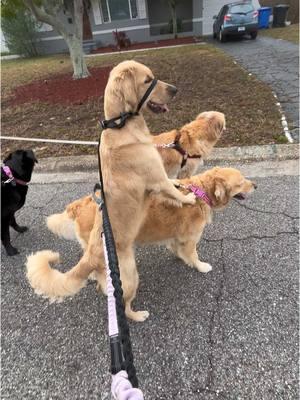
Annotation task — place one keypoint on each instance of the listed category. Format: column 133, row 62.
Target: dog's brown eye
column 148, row 79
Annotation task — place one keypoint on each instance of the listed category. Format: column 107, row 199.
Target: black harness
column 123, row 117
column 184, row 153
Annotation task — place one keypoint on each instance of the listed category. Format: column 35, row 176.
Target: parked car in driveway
column 239, row 18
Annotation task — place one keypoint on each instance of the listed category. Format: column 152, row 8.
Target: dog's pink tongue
column 165, row 108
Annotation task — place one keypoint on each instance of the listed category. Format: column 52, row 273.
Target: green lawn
column 206, row 79
column 290, row 33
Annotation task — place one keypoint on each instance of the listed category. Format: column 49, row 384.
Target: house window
column 116, row 10
column 133, row 8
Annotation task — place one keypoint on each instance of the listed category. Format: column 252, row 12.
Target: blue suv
column 238, row 18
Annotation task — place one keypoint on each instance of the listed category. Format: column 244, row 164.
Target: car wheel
column 253, row 35
column 222, row 38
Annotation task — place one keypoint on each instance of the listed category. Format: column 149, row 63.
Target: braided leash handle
column 118, row 293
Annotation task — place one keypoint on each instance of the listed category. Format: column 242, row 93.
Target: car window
column 241, row 9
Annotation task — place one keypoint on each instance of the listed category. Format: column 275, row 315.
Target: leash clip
column 9, row 180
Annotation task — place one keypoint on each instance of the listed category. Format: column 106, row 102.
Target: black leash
column 121, row 350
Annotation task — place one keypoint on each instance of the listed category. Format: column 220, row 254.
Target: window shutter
column 96, row 12
column 141, row 6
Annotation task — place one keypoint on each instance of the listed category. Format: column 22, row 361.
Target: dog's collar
column 177, row 146
column 198, row 192
column 123, row 117
column 11, row 178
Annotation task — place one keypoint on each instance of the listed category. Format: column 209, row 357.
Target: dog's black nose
column 255, row 185
column 172, row 90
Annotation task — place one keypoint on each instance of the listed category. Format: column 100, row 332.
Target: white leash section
column 59, row 141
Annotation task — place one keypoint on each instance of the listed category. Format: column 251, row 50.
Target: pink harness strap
column 11, row 178
column 198, row 192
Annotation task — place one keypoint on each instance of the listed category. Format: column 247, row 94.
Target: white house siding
column 211, row 8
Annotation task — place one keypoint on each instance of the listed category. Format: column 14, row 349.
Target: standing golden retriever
column 132, row 168
column 179, row 228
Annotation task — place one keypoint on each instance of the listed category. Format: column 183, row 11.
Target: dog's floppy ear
column 220, row 191
column 216, row 121
column 126, row 89
column 30, row 154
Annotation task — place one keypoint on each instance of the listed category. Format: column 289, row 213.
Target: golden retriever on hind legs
column 179, row 228
column 131, row 167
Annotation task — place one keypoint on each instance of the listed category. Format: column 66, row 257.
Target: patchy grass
column 206, row 78
column 290, row 33
column 281, row 139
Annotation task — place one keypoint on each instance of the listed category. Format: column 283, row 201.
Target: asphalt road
column 230, row 334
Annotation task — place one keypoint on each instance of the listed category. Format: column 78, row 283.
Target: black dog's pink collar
column 11, row 178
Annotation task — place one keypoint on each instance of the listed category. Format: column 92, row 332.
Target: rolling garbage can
column 263, row 17
column 279, row 15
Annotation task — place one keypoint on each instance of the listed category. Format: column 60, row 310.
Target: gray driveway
column 231, row 334
column 275, row 62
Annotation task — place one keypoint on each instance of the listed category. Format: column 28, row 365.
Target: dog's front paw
column 203, row 267
column 141, row 316
column 190, row 199
column 138, row 316
column 11, row 251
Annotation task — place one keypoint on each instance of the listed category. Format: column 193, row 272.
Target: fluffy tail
column 62, row 225
column 52, row 283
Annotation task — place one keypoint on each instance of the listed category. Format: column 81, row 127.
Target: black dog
column 15, row 175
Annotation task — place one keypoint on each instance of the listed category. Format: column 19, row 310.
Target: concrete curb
column 218, row 156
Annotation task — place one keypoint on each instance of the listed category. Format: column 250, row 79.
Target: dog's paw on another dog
column 190, row 199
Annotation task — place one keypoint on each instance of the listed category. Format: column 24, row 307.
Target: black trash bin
column 279, row 15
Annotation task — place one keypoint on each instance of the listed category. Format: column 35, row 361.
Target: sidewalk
column 218, row 157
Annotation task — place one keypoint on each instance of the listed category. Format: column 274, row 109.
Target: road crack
column 265, row 211
column 208, row 387
column 295, row 232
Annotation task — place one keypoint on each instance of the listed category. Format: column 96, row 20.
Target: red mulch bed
column 146, row 45
column 62, row 89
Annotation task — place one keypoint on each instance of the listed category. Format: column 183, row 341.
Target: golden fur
column 131, row 166
column 179, row 228
column 197, row 138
